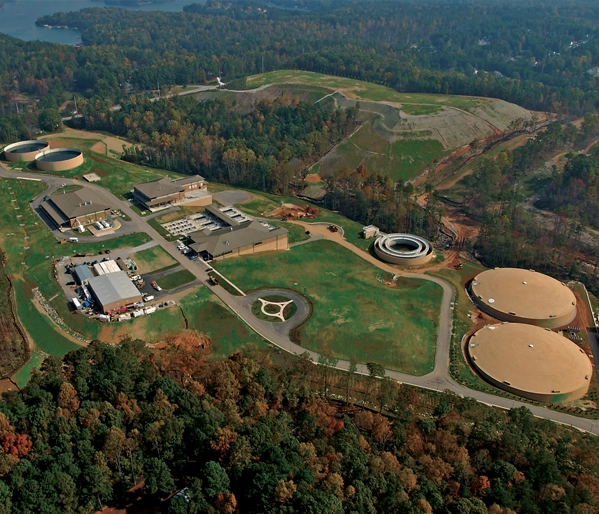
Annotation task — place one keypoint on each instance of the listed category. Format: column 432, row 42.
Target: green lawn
column 206, row 314
column 401, row 160
column 354, row 314
column 364, row 90
column 176, row 279
column 153, row 260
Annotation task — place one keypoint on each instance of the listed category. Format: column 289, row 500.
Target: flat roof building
column 159, row 194
column 237, row 238
column 75, row 208
column 114, row 291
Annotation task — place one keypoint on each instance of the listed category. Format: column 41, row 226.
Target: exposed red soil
column 313, row 177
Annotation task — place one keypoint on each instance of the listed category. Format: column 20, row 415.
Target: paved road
column 438, row 379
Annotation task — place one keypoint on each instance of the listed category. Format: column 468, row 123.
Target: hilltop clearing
column 402, row 134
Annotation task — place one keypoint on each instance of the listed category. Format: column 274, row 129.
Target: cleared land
column 399, row 159
column 359, row 89
column 153, row 260
column 354, row 314
column 403, row 134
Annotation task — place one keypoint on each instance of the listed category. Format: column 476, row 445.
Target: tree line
column 248, row 435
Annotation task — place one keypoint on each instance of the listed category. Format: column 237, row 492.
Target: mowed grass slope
column 354, row 314
column 400, row 160
column 423, row 103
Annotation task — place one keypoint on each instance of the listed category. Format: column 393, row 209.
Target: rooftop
column 524, row 293
column 530, row 358
column 73, row 204
column 225, row 240
column 113, row 287
column 165, row 186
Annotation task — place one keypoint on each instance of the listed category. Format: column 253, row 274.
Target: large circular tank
column 524, row 296
column 404, row 249
column 530, row 361
column 59, row 159
column 25, row 151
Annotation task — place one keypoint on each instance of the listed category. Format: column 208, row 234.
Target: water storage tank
column 59, row 159
column 25, row 151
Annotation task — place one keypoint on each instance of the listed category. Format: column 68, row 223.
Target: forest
column 257, row 434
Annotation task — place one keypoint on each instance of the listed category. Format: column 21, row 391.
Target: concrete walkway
column 438, row 379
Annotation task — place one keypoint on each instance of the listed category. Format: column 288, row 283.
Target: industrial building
column 114, row 291
column 75, row 208
column 531, row 361
column 524, row 296
column 159, row 194
column 229, row 237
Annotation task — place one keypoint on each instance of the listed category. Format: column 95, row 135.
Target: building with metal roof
column 160, row 193
column 82, row 274
column 114, row 291
column 236, row 238
column 75, row 208
column 103, row 268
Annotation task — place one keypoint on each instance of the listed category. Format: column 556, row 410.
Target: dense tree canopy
column 245, row 435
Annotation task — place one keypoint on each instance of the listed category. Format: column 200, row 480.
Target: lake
column 18, row 18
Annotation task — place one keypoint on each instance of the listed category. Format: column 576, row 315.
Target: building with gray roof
column 82, row 274
column 75, row 208
column 114, row 291
column 160, row 193
column 237, row 238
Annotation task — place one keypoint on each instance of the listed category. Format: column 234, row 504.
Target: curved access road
column 438, row 379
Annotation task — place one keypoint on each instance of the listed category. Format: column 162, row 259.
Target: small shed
column 370, row 231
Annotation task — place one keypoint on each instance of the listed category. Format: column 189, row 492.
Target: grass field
column 206, row 314
column 424, row 103
column 354, row 314
column 401, row 160
column 176, row 279
column 153, row 260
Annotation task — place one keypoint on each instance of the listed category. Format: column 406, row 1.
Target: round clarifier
column 405, row 249
column 25, row 151
column 59, row 159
